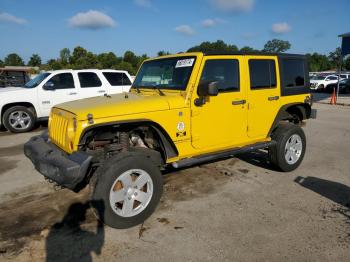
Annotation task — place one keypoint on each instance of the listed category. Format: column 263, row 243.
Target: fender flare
column 168, row 145
column 303, row 108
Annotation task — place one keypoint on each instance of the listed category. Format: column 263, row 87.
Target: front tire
column 126, row 190
column 290, row 147
column 19, row 119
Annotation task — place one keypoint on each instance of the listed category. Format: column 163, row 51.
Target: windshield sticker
column 184, row 62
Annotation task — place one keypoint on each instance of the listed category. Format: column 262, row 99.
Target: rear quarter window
column 117, row 79
column 294, row 76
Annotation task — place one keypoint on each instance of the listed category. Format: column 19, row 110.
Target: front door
column 263, row 95
column 62, row 89
column 221, row 121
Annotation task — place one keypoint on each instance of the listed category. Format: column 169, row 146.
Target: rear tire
column 19, row 119
column 290, row 147
column 126, row 190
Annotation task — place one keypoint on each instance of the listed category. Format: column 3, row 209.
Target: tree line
column 81, row 58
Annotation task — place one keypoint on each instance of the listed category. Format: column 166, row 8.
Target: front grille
column 58, row 129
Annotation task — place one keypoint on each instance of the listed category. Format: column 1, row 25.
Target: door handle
column 272, row 98
column 239, row 102
column 102, row 91
column 72, row 93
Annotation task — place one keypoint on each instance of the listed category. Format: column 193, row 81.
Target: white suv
column 321, row 82
column 21, row 107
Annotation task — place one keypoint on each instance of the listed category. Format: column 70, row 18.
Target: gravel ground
column 238, row 209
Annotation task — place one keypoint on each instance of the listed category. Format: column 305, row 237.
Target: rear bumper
column 66, row 170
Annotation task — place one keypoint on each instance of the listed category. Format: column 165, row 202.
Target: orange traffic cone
column 333, row 98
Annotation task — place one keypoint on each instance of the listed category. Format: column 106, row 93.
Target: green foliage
column 346, row 64
column 64, row 56
column 125, row 66
column 218, row 46
column 81, row 58
column 162, row 53
column 131, row 58
column 14, row 60
column 248, row 49
column 35, row 60
column 318, row 62
column 53, row 64
column 334, row 58
column 276, row 46
column 107, row 60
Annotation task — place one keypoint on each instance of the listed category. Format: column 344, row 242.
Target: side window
column 89, row 79
column 332, row 78
column 117, row 79
column 224, row 71
column 293, row 72
column 62, row 81
column 262, row 73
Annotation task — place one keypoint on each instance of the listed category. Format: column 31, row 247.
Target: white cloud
column 91, row 20
column 281, row 28
column 212, row 22
column 143, row 3
column 8, row 18
column 233, row 5
column 185, row 30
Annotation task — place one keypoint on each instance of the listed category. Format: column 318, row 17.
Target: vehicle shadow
column 68, row 241
column 319, row 96
column 337, row 192
column 257, row 158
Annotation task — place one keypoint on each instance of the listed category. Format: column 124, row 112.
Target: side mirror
column 49, row 86
column 208, row 88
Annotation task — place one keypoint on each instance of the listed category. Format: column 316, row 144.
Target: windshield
column 36, row 80
column 167, row 73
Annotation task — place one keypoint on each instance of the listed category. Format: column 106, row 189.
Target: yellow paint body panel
column 215, row 126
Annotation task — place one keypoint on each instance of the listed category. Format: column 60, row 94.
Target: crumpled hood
column 121, row 104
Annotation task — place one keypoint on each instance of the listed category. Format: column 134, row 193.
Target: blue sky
column 148, row 26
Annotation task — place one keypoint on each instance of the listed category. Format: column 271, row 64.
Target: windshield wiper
column 161, row 93
column 137, row 89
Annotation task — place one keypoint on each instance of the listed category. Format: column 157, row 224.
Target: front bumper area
column 66, row 170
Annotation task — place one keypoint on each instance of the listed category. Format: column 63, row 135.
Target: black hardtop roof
column 251, row 53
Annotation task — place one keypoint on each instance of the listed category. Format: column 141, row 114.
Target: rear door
column 63, row 90
column 263, row 94
column 90, row 85
column 119, row 82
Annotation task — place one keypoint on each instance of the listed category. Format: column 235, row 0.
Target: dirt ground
column 238, row 209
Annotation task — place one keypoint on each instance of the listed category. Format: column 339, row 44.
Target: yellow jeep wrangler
column 182, row 110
